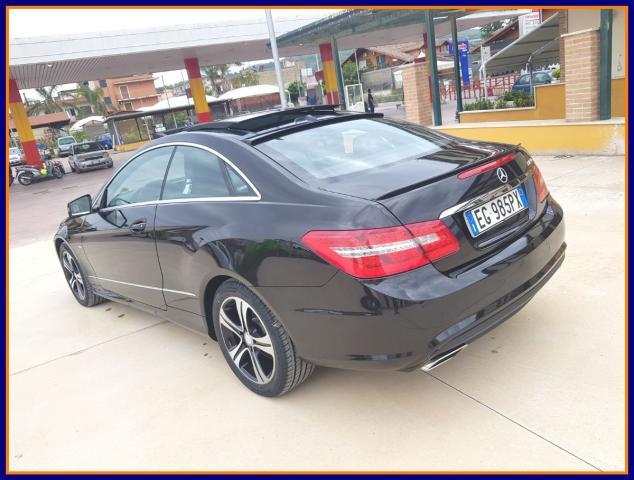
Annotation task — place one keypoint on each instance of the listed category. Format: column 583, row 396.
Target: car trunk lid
column 431, row 188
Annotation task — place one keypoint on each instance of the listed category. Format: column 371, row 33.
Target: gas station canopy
column 371, row 28
column 41, row 61
column 55, row 60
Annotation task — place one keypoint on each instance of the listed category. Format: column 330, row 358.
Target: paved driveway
column 114, row 388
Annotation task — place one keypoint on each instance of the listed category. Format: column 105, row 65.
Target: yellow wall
column 599, row 138
column 130, row 146
column 550, row 104
column 618, row 97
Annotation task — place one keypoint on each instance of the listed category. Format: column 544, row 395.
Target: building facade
column 128, row 93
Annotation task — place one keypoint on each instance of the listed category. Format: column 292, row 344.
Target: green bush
column 519, row 98
column 482, row 104
column 501, row 103
column 556, row 73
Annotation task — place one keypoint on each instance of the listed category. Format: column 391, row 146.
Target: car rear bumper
column 405, row 321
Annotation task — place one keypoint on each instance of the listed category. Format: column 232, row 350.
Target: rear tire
column 25, row 178
column 77, row 281
column 262, row 355
column 57, row 173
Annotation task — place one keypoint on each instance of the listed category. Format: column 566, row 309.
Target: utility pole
column 276, row 58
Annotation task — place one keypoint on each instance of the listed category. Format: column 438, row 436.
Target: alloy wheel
column 247, row 341
column 73, row 275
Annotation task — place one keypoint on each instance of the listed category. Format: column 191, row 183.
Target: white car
column 15, row 157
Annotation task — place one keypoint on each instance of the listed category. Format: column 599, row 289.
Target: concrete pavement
column 112, row 388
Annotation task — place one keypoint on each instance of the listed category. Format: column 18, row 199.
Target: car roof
column 259, row 126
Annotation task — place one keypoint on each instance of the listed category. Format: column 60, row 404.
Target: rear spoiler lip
column 430, row 180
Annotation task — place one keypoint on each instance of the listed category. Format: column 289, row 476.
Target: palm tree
column 216, row 74
column 47, row 104
column 93, row 97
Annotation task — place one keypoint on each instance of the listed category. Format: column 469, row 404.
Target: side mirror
column 80, row 206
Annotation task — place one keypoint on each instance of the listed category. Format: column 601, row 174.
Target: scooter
column 28, row 174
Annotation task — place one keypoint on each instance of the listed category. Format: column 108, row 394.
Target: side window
column 240, row 187
column 541, row 77
column 524, row 79
column 195, row 173
column 140, row 180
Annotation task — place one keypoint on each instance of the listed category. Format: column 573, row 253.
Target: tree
column 93, row 97
column 489, row 29
column 350, row 76
column 216, row 74
column 294, row 91
column 47, row 104
column 245, row 78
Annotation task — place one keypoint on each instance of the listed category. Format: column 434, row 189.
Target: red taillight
column 540, row 184
column 487, row 166
column 379, row 252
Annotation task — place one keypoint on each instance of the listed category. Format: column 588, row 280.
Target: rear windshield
column 345, row 148
column 86, row 147
column 65, row 140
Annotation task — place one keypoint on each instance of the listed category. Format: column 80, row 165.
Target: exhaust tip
column 445, row 357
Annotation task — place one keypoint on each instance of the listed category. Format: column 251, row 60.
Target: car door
column 119, row 238
column 200, row 195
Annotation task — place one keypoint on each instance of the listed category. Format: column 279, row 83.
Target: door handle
column 138, row 227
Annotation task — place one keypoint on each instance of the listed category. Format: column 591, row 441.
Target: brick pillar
column 418, row 108
column 581, row 50
column 563, row 29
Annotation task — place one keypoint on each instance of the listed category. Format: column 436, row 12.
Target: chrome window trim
column 256, row 197
column 142, row 286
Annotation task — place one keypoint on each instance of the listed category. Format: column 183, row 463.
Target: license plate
column 494, row 212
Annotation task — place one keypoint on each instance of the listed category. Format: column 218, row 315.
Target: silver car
column 88, row 156
column 15, row 157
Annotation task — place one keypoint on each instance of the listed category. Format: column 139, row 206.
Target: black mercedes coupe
column 311, row 236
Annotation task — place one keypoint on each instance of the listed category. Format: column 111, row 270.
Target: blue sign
column 463, row 54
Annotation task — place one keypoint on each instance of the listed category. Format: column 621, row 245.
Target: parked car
column 16, row 157
column 313, row 237
column 539, row 78
column 88, row 156
column 45, row 153
column 105, row 141
column 64, row 145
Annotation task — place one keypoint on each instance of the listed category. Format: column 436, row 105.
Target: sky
column 53, row 22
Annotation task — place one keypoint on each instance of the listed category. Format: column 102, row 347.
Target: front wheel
column 254, row 342
column 57, row 172
column 78, row 283
column 25, row 178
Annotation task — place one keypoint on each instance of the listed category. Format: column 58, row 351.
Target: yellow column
column 198, row 90
column 22, row 125
column 330, row 76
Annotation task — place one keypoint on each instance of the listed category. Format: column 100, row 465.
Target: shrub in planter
column 482, row 104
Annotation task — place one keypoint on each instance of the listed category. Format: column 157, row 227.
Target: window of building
column 107, row 100
column 127, row 105
column 124, row 91
column 103, row 83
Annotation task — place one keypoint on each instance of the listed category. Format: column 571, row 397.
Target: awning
column 542, row 44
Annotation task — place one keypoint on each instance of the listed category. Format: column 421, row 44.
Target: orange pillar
column 198, row 90
column 330, row 77
column 22, row 125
